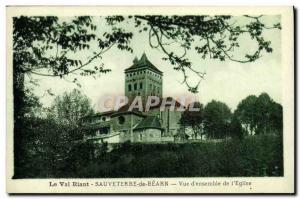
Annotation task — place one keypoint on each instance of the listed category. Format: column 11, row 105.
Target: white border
column 55, row 2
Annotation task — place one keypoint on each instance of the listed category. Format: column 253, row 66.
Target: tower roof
column 143, row 63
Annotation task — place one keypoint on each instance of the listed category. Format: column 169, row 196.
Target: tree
column 194, row 119
column 246, row 112
column 270, row 115
column 260, row 115
column 45, row 146
column 47, row 46
column 236, row 129
column 215, row 37
column 217, row 118
column 70, row 107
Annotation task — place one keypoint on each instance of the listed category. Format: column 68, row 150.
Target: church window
column 135, row 86
column 129, row 87
column 141, row 85
column 121, row 120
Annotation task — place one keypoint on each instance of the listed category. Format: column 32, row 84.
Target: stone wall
column 170, row 120
column 147, row 135
column 124, row 123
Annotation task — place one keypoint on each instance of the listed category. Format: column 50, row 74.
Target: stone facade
column 143, row 79
column 147, row 135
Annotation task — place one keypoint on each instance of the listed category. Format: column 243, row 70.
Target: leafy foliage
column 214, row 37
column 48, row 46
column 217, row 119
column 70, row 107
column 260, row 114
column 232, row 158
column 44, row 145
column 194, row 119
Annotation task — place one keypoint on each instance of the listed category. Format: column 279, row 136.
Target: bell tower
column 143, row 79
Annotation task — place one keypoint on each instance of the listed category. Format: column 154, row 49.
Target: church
column 142, row 79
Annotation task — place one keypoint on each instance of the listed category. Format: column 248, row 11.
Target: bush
column 259, row 155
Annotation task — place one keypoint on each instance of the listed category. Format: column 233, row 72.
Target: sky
column 226, row 81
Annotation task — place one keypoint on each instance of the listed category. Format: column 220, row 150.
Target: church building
column 142, row 79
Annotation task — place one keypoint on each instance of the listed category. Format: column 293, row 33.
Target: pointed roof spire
column 135, row 61
column 144, row 58
column 142, row 64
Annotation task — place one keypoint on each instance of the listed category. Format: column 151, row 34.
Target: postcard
column 150, row 100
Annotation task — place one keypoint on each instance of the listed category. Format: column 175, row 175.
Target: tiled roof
column 96, row 125
column 149, row 122
column 142, row 63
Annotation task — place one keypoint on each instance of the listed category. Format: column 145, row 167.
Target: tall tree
column 260, row 114
column 70, row 107
column 270, row 117
column 217, row 118
column 194, row 119
column 246, row 112
column 236, row 129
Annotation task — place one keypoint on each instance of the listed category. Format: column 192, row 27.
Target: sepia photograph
column 133, row 94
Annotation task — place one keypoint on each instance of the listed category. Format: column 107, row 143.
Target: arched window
column 135, row 86
column 121, row 119
column 129, row 87
column 141, row 85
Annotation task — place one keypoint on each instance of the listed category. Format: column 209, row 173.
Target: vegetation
column 47, row 140
column 55, row 148
column 260, row 115
column 254, row 115
column 70, row 107
column 206, row 159
column 194, row 119
column 47, row 46
column 217, row 119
